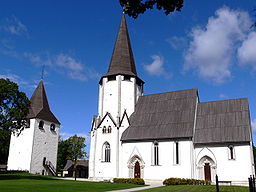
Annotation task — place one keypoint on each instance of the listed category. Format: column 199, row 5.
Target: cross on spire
column 42, row 73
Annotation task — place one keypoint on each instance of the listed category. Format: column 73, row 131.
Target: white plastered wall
column 236, row 170
column 21, row 149
column 166, row 168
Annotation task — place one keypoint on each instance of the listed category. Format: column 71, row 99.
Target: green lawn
column 33, row 183
column 197, row 188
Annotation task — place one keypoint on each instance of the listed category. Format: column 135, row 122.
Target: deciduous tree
column 14, row 106
column 135, row 7
column 76, row 150
column 63, row 154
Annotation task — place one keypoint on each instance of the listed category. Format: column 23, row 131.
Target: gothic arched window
column 156, row 153
column 106, row 152
column 41, row 125
column 109, row 129
column 104, row 129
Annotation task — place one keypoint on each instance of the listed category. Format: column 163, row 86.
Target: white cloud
column 68, row 62
column 223, row 96
column 64, row 64
column 210, row 51
column 20, row 81
column 177, row 43
column 39, row 60
column 14, row 78
column 253, row 123
column 156, row 67
column 247, row 51
column 14, row 26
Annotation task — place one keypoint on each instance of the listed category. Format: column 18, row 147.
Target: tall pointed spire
column 39, row 107
column 122, row 61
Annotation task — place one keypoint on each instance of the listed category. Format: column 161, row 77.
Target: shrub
column 137, row 181
column 181, row 181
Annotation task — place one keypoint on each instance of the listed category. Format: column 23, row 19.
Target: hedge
column 137, row 181
column 181, row 181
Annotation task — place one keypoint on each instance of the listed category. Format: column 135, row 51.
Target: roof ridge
column 242, row 98
column 170, row 92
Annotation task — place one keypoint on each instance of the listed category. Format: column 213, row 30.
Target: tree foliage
column 14, row 106
column 135, row 7
column 63, row 154
column 71, row 149
column 5, row 136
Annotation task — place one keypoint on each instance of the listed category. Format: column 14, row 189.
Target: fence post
column 217, row 183
column 250, row 183
column 253, row 183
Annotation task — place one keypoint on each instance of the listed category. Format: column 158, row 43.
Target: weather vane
column 42, row 74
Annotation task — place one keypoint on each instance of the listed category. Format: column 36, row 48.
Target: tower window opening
column 52, row 127
column 41, row 125
column 127, row 78
column 27, row 123
column 111, row 78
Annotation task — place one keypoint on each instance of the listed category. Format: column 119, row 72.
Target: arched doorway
column 137, row 170
column 206, row 168
column 136, row 167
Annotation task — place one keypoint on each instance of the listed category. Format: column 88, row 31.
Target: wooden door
column 207, row 171
column 137, row 170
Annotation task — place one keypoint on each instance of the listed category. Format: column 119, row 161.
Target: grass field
column 197, row 188
column 36, row 183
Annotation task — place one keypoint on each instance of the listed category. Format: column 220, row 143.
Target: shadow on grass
column 25, row 176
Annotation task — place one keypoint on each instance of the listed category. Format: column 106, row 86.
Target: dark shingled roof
column 39, row 107
column 163, row 116
column 223, row 121
column 70, row 163
column 122, row 61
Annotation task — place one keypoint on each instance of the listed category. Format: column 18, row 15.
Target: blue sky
column 208, row 45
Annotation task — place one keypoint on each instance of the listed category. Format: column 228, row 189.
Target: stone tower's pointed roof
column 39, row 107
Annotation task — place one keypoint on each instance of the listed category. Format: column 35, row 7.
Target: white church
column 165, row 135
column 35, row 148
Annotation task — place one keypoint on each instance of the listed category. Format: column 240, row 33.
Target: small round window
column 52, row 127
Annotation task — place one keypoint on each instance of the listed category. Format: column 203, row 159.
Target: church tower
column 34, row 148
column 119, row 91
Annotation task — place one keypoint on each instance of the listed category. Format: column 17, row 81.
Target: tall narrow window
column 176, row 153
column 104, row 129
column 109, row 129
column 41, row 125
column 231, row 152
column 156, row 154
column 106, row 152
